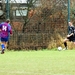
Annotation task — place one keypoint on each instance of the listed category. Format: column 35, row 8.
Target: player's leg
column 3, row 44
column 3, row 47
column 65, row 42
column 74, row 43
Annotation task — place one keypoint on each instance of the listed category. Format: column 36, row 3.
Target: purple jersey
column 5, row 29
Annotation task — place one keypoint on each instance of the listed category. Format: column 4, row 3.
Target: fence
column 49, row 20
column 37, row 36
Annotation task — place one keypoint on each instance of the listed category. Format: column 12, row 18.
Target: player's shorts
column 5, row 39
column 71, row 38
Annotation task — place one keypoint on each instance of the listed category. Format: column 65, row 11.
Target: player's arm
column 0, row 27
column 70, row 35
column 11, row 31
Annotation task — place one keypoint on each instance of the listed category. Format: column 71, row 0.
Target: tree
column 30, row 7
column 49, row 17
column 30, row 12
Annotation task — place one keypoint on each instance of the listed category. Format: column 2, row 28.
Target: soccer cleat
column 65, row 48
column 2, row 52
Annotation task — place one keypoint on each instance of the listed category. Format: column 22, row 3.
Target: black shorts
column 71, row 38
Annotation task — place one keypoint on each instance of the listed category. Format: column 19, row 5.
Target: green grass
column 37, row 63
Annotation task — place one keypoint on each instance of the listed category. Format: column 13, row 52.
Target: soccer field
column 37, row 63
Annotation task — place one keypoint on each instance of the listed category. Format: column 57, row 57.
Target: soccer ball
column 59, row 48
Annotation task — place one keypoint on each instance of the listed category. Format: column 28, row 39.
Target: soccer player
column 5, row 31
column 71, row 35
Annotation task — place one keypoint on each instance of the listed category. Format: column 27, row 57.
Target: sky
column 13, row 1
column 18, row 1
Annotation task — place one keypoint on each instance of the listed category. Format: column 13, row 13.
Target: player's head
column 70, row 23
column 8, row 20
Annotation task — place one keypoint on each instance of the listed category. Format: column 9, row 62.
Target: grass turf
column 37, row 63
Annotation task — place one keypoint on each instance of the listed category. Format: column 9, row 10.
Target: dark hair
column 8, row 20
